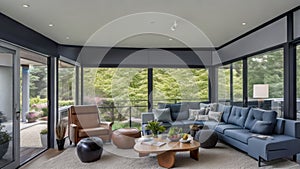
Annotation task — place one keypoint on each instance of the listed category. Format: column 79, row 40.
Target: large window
column 237, row 83
column 267, row 69
column 120, row 93
column 224, row 84
column 179, row 85
column 66, row 87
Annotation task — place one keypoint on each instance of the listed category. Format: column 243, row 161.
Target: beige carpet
column 220, row 157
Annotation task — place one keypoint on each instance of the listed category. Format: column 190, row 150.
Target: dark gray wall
column 132, row 57
column 269, row 36
column 297, row 24
column 16, row 33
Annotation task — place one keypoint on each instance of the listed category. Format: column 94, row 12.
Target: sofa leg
column 70, row 142
column 260, row 159
column 295, row 157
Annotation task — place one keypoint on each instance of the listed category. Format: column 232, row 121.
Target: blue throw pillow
column 262, row 127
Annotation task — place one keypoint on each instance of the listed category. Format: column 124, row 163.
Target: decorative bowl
column 174, row 137
column 185, row 141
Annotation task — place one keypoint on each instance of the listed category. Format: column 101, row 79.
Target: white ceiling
column 144, row 23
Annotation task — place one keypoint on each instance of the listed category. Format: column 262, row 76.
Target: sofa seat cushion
column 238, row 115
column 93, row 132
column 241, row 135
column 222, row 127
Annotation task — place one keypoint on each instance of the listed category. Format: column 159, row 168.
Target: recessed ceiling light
column 26, row 5
column 50, row 25
column 67, row 37
column 170, row 39
column 244, row 23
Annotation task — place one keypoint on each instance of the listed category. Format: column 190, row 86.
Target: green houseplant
column 155, row 127
column 4, row 141
column 60, row 134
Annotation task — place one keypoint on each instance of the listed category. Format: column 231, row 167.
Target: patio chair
column 84, row 122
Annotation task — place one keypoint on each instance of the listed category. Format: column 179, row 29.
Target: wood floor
column 43, row 157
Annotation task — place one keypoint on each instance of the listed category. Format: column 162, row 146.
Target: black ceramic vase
column 90, row 149
column 60, row 144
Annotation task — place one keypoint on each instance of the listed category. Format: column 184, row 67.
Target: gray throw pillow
column 262, row 127
column 193, row 113
column 162, row 115
column 216, row 116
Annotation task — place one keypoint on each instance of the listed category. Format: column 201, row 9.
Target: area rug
column 222, row 156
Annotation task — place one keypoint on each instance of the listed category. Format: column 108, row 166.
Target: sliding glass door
column 9, row 109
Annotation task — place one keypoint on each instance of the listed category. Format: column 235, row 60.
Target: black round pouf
column 207, row 138
column 90, row 149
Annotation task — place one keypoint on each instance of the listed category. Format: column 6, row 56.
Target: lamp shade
column 260, row 91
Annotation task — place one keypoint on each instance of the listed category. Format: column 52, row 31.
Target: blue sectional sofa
column 257, row 132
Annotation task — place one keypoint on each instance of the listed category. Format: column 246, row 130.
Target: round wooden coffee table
column 166, row 153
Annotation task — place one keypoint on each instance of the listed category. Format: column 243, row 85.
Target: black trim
column 150, row 89
column 231, row 84
column 290, row 74
column 51, row 101
column 245, row 82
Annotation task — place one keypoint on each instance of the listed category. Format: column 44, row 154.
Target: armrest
column 73, row 132
column 107, row 124
column 73, row 125
column 292, row 128
column 147, row 116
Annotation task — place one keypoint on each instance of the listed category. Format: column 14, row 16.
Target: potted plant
column 31, row 117
column 155, row 127
column 4, row 141
column 44, row 135
column 175, row 133
column 60, row 134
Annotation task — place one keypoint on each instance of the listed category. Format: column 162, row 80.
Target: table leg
column 194, row 154
column 166, row 159
column 143, row 154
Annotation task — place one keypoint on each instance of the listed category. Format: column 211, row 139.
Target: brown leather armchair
column 84, row 122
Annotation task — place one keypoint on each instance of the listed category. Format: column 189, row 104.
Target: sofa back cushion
column 226, row 112
column 85, row 116
column 238, row 115
column 177, row 112
column 261, row 115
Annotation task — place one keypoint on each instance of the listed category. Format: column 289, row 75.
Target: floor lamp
column 260, row 92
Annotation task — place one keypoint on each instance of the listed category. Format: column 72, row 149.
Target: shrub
column 4, row 136
column 31, row 116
